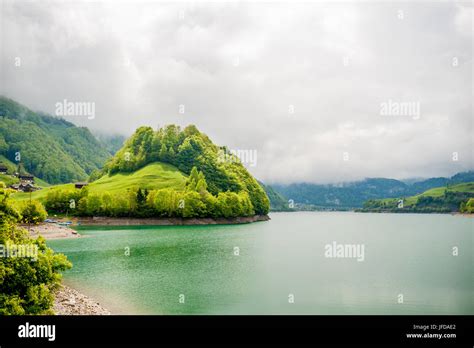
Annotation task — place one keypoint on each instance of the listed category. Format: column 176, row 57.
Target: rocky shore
column 71, row 302
column 51, row 231
column 109, row 221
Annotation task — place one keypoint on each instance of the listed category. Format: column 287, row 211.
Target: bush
column 32, row 212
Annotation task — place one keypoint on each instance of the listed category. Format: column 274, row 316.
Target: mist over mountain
column 354, row 194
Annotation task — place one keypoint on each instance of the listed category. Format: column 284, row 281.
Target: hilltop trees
column 187, row 149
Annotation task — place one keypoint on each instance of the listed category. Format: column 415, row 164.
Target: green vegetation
column 452, row 198
column 8, row 179
column 151, row 177
column 189, row 200
column 51, row 148
column 186, row 149
column 26, row 283
column 31, row 212
column 467, row 207
column 130, row 186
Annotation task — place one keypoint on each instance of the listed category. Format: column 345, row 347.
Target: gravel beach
column 71, row 302
column 51, row 231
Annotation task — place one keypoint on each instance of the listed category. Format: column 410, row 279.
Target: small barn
column 80, row 185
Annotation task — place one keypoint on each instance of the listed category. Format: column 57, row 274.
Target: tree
column 32, row 212
column 26, row 287
column 94, row 204
column 193, row 205
column 163, row 154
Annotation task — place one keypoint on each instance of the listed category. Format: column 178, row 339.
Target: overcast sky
column 303, row 84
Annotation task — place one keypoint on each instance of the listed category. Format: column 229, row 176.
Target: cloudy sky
column 324, row 92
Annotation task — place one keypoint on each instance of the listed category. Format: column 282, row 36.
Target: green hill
column 436, row 200
column 51, row 148
column 165, row 173
column 187, row 148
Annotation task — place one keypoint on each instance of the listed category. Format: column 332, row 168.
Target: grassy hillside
column 152, row 177
column 439, row 199
column 51, row 148
column 8, row 179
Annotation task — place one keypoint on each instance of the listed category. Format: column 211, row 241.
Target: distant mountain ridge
column 354, row 194
column 445, row 199
column 51, row 148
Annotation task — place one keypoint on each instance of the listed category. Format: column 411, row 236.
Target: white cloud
column 239, row 67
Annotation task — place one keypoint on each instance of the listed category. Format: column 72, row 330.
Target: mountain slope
column 51, row 148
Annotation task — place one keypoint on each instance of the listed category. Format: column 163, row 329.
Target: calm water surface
column 404, row 254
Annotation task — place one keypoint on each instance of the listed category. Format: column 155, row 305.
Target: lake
column 400, row 264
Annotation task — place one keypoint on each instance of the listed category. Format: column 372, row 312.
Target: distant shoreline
column 109, row 221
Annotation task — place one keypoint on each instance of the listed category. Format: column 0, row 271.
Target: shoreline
column 50, row 231
column 108, row 221
column 69, row 301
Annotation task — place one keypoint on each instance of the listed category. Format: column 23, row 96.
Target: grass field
column 153, row 176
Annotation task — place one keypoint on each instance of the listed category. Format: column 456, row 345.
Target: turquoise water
column 279, row 266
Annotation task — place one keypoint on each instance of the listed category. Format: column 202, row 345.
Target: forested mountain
column 354, row 194
column 51, row 148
